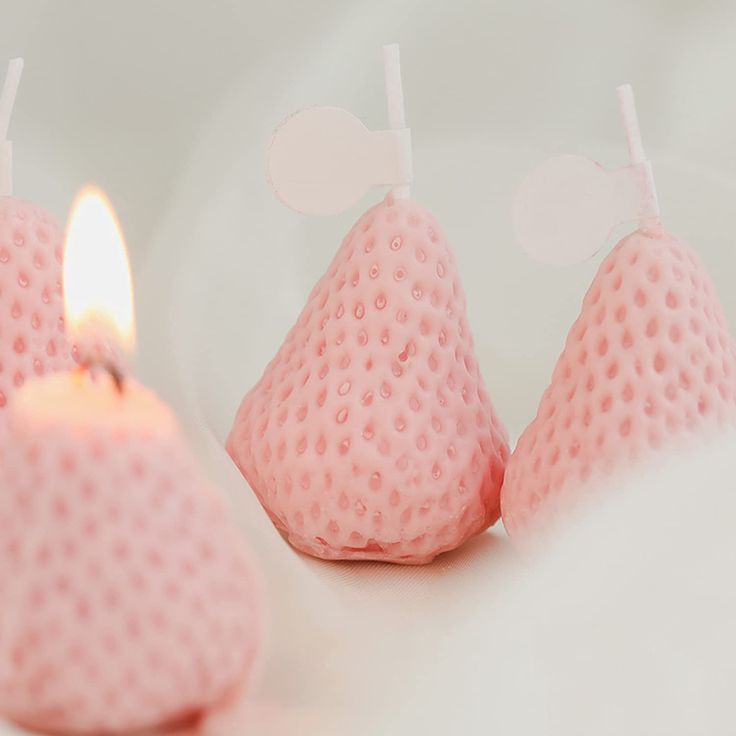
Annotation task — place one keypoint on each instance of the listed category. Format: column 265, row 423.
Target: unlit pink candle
column 31, row 322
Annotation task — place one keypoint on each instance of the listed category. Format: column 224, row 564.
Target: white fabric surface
column 623, row 627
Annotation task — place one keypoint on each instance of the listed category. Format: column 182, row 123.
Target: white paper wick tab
column 322, row 160
column 565, row 210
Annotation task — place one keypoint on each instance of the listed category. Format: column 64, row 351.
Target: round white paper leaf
column 321, row 160
column 565, row 209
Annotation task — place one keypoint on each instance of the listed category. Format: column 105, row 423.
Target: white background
column 169, row 105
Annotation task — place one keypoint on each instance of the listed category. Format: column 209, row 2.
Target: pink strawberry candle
column 371, row 435
column 649, row 366
column 32, row 340
column 129, row 601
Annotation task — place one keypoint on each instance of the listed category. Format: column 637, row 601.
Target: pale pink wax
column 76, row 402
column 128, row 599
column 649, row 367
column 371, row 435
column 31, row 310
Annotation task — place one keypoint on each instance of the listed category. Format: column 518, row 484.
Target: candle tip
column 637, row 155
column 627, row 105
column 7, row 102
column 7, row 97
column 395, row 99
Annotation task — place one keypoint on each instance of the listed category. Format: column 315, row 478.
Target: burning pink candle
column 128, row 599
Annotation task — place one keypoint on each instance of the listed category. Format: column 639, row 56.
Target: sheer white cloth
column 623, row 627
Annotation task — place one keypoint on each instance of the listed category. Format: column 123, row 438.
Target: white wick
column 7, row 101
column 395, row 100
column 637, row 157
column 631, row 123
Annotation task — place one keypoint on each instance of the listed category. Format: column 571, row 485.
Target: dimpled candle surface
column 32, row 339
column 648, row 364
column 371, row 434
column 128, row 598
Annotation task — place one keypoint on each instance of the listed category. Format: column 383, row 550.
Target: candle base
column 129, row 600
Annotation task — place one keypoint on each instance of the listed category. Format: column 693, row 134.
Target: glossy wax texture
column 648, row 366
column 128, row 600
column 371, row 435
column 32, row 340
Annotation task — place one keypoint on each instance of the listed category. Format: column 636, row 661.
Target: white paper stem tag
column 565, row 210
column 323, row 160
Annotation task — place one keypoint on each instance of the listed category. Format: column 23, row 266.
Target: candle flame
column 98, row 291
